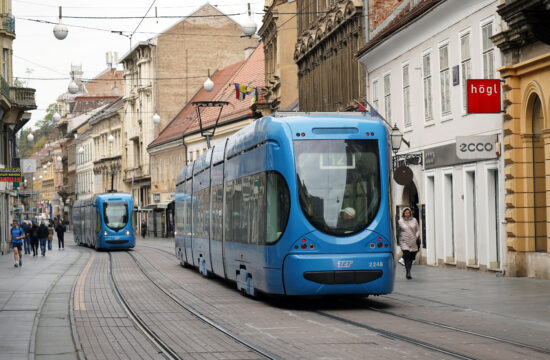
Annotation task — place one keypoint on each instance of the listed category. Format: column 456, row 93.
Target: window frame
column 427, row 94
column 406, row 92
column 445, row 72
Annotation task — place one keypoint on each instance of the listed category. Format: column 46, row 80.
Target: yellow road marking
column 79, row 292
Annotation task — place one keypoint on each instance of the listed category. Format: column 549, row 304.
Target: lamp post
column 114, row 167
column 396, row 137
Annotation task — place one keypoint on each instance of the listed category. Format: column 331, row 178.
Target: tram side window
column 229, row 211
column 278, row 206
column 97, row 221
column 217, row 204
column 200, row 222
column 236, row 211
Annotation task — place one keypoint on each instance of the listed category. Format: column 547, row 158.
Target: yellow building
column 525, row 44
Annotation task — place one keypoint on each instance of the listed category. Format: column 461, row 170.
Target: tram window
column 339, row 196
column 229, row 211
column 278, row 206
column 115, row 215
column 217, row 203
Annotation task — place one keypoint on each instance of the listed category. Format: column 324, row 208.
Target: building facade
column 417, row 69
column 278, row 33
column 162, row 74
column 181, row 142
column 106, row 129
column 15, row 101
column 329, row 34
column 525, row 44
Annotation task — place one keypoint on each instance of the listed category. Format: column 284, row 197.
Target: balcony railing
column 8, row 23
column 23, row 97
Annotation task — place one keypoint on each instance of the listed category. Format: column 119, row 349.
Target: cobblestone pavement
column 62, row 306
column 509, row 308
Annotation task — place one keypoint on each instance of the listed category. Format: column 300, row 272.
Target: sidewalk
column 34, row 311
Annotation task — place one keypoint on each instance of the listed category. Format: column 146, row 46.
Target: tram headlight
column 127, row 232
column 105, row 233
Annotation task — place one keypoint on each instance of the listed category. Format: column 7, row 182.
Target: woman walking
column 409, row 232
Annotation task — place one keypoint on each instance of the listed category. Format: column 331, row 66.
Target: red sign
column 483, row 96
column 10, row 178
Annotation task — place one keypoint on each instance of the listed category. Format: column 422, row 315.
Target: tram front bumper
column 327, row 274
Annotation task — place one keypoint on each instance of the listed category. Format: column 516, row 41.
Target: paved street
column 67, row 295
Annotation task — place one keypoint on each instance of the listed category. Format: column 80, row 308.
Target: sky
column 44, row 63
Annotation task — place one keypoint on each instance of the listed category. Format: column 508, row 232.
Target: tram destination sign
column 483, row 96
column 10, row 175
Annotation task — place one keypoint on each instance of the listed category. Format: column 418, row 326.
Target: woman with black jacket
column 43, row 233
column 34, row 238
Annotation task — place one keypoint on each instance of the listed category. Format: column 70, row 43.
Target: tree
column 46, row 132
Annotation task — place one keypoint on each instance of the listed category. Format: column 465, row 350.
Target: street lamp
column 49, row 163
column 30, row 137
column 80, row 150
column 396, row 137
column 56, row 117
column 111, row 139
column 59, row 158
column 249, row 27
column 208, row 84
column 156, row 118
column 73, row 87
column 60, row 31
column 44, row 166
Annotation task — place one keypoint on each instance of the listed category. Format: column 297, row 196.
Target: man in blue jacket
column 17, row 236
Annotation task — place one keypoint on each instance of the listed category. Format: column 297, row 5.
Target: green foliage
column 45, row 132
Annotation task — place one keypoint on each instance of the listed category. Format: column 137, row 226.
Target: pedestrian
column 50, row 234
column 143, row 228
column 409, row 234
column 17, row 236
column 43, row 236
column 34, row 237
column 60, row 230
column 27, row 241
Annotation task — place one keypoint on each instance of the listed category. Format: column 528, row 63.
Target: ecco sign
column 483, row 96
column 476, row 147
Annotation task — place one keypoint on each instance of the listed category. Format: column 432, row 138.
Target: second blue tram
column 104, row 221
column 292, row 205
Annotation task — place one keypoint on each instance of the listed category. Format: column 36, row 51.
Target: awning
column 160, row 205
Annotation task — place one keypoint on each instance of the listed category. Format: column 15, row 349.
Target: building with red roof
column 181, row 141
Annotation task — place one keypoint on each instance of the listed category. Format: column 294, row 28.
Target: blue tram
column 293, row 204
column 104, row 221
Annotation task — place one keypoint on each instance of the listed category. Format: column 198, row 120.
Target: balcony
column 22, row 97
column 8, row 23
column 133, row 132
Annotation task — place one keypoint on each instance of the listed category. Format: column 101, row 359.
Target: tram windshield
column 338, row 183
column 115, row 215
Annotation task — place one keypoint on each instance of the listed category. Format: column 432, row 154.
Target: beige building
column 162, row 74
column 181, row 142
column 278, row 33
column 525, row 44
column 15, row 101
column 106, row 129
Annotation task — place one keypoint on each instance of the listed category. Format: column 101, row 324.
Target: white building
column 417, row 66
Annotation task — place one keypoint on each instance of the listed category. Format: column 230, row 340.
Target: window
column 488, row 51
column 5, row 58
column 427, row 82
column 387, row 98
column 465, row 67
column 406, row 97
column 115, row 215
column 375, row 100
column 444, row 75
column 338, row 183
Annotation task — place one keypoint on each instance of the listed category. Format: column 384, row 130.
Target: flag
column 241, row 90
column 360, row 107
column 254, row 96
column 238, row 94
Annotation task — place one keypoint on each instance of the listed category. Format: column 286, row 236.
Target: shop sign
column 10, row 175
column 476, row 147
column 440, row 156
column 483, row 96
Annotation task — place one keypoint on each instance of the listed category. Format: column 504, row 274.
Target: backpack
column 34, row 232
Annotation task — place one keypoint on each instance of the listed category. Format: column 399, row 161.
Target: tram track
column 155, row 338
column 423, row 344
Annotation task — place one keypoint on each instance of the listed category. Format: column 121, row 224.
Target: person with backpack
column 43, row 236
column 17, row 236
column 60, row 230
column 34, row 238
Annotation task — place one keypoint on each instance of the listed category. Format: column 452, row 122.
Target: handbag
column 417, row 238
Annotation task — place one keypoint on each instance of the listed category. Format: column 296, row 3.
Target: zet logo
column 345, row 263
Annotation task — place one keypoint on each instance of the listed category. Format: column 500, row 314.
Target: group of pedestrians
column 29, row 236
